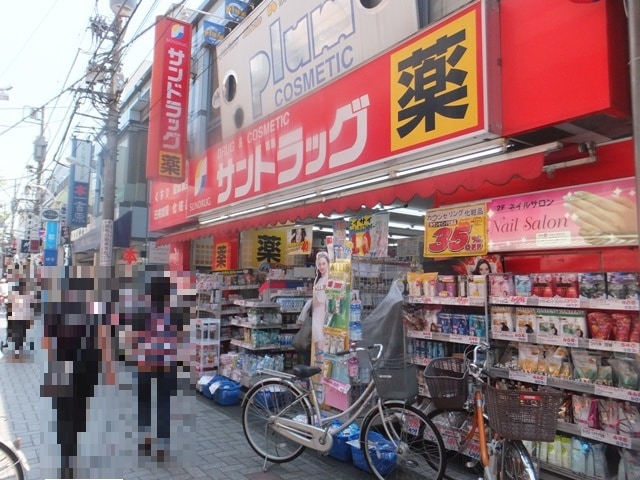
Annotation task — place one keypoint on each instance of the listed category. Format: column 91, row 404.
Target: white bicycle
column 13, row 463
column 281, row 417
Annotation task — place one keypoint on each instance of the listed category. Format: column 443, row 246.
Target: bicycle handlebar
column 353, row 348
column 476, row 368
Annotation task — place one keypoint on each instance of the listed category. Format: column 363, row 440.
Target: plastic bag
column 384, row 324
column 302, row 339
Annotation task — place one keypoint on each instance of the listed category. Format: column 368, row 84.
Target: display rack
column 260, row 339
column 372, row 278
column 570, row 385
column 207, row 342
column 215, row 301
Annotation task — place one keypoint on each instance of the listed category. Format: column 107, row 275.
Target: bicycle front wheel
column 459, row 436
column 516, row 462
column 401, row 443
column 10, row 467
column 263, row 404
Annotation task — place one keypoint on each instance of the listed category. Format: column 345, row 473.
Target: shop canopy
column 492, row 176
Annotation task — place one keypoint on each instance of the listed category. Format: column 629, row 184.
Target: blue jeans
column 166, row 388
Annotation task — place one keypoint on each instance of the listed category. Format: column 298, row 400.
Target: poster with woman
column 299, row 240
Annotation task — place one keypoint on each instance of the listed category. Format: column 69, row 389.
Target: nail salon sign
column 591, row 215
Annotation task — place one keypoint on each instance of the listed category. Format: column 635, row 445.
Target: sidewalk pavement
column 215, row 448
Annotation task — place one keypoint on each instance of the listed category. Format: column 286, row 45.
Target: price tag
column 559, row 302
column 521, row 376
column 473, row 340
column 619, row 393
column 512, row 300
column 633, row 395
column 596, row 344
column 620, row 440
column 420, row 334
column 627, row 347
column 519, row 300
column 511, row 336
column 603, row 303
column 594, row 434
column 606, row 437
column 520, row 337
column 502, row 335
column 629, row 304
column 455, row 338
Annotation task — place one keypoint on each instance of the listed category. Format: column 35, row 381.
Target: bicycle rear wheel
column 401, row 444
column 10, row 467
column 462, row 450
column 265, row 401
column 516, row 462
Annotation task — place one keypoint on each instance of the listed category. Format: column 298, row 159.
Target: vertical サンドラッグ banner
column 168, row 113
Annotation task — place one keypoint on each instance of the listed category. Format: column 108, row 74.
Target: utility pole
column 111, row 158
column 39, row 154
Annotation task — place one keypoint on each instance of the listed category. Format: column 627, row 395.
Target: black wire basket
column 397, row 379
column 447, row 382
column 522, row 414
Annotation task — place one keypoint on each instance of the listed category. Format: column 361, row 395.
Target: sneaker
column 144, row 448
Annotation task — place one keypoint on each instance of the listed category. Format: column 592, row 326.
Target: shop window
column 202, row 251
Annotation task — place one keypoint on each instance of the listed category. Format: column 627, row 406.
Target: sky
column 46, row 46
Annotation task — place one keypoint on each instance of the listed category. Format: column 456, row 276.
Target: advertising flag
column 168, row 114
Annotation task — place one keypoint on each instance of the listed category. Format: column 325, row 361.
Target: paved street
column 213, row 447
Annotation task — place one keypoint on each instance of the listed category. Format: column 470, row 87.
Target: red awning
column 491, row 175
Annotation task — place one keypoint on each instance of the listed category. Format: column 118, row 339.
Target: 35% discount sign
column 456, row 231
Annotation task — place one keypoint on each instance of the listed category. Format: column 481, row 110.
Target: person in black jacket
column 76, row 308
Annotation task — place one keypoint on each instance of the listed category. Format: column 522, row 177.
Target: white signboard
column 284, row 50
column 106, row 243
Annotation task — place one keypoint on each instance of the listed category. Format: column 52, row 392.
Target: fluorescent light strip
column 402, row 211
column 250, row 210
column 292, row 200
column 213, row 220
column 354, row 185
column 452, row 161
column 406, row 226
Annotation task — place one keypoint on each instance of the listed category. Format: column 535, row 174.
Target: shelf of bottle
column 238, row 322
column 256, row 304
column 617, row 439
column 250, row 346
column 218, row 312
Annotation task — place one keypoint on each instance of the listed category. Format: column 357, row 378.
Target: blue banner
column 235, row 10
column 50, row 258
column 51, row 235
column 213, row 32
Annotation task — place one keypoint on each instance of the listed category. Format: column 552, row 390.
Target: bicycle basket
column 396, row 379
column 447, row 382
column 523, row 415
